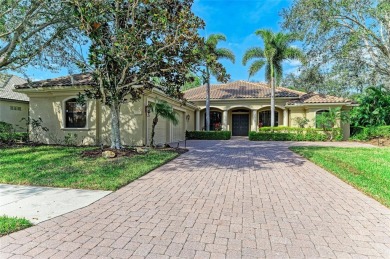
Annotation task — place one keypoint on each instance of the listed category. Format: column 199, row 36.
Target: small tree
column 164, row 110
column 301, row 121
column 328, row 120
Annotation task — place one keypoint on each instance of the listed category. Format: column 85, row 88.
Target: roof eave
column 235, row 99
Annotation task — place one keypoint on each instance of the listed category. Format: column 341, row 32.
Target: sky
column 237, row 20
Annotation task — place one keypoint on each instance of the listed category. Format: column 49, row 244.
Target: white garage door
column 178, row 132
column 161, row 130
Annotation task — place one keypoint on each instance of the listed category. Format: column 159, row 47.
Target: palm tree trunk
column 272, row 99
column 155, row 120
column 115, row 126
column 207, row 99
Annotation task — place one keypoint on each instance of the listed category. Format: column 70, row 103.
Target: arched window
column 75, row 114
column 322, row 119
column 215, row 120
column 265, row 118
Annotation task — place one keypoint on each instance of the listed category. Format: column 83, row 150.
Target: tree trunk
column 115, row 126
column 272, row 102
column 155, row 120
column 208, row 100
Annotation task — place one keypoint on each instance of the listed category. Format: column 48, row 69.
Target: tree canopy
column 36, row 32
column 349, row 38
column 132, row 44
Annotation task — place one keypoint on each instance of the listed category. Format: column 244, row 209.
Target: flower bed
column 209, row 135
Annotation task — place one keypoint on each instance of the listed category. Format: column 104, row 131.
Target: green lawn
column 367, row 169
column 64, row 167
column 12, row 224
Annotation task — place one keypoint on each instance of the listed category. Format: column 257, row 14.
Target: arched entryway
column 240, row 122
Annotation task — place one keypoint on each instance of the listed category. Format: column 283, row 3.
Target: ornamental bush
column 209, row 135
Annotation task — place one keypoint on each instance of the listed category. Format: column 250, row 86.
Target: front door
column 240, row 124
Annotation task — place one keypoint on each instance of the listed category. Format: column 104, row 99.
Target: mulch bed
column 381, row 142
column 126, row 152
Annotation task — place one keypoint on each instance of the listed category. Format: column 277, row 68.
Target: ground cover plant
column 12, row 224
column 209, row 135
column 59, row 166
column 367, row 169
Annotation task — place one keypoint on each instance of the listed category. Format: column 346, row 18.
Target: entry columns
column 285, row 117
column 224, row 120
column 197, row 120
column 254, row 120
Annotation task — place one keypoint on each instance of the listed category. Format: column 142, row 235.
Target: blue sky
column 238, row 20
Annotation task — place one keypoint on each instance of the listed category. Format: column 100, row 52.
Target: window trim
column 63, row 126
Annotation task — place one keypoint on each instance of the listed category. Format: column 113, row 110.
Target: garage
column 178, row 131
column 161, row 131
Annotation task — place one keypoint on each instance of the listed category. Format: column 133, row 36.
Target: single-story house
column 241, row 106
column 13, row 105
column 237, row 106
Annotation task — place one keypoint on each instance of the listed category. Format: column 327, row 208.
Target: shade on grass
column 64, row 167
column 367, row 169
column 12, row 224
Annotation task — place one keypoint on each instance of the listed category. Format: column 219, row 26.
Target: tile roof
column 249, row 90
column 319, row 98
column 71, row 80
column 7, row 84
column 239, row 90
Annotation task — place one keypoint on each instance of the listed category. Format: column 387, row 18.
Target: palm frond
column 256, row 66
column 266, row 34
column 213, row 39
column 164, row 109
column 294, row 53
column 226, row 53
column 252, row 53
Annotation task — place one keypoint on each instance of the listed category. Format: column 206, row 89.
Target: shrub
column 295, row 134
column 367, row 133
column 8, row 134
column 209, row 135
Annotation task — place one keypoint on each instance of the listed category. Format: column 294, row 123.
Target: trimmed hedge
column 209, row 135
column 294, row 134
column 368, row 133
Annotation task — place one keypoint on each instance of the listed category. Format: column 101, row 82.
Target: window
column 215, row 120
column 75, row 114
column 265, row 118
column 15, row 108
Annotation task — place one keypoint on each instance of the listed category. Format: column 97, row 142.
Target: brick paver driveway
column 223, row 198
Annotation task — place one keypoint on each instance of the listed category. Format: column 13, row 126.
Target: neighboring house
column 241, row 106
column 237, row 106
column 13, row 106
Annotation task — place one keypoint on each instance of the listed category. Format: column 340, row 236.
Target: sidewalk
column 38, row 204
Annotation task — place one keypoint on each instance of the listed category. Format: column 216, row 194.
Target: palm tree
column 276, row 50
column 164, row 110
column 213, row 68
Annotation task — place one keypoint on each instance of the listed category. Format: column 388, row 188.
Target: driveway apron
column 231, row 199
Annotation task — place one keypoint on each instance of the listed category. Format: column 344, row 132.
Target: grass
column 12, row 224
column 367, row 169
column 64, row 167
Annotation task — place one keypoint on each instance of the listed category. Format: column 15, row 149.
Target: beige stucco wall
column 14, row 117
column 51, row 111
column 48, row 104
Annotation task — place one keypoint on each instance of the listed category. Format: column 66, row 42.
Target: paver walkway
column 223, row 198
